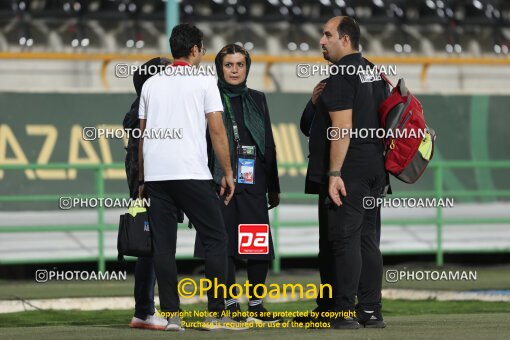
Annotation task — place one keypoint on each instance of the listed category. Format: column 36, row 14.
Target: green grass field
column 406, row 319
column 493, row 277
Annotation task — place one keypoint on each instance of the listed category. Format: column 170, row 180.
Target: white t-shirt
column 180, row 103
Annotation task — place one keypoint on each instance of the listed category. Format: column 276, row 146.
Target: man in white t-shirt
column 175, row 110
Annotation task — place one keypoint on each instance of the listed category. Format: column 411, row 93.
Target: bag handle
column 400, row 84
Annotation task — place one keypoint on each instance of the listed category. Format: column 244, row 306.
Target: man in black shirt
column 356, row 170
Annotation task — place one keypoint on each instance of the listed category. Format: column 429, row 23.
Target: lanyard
column 232, row 118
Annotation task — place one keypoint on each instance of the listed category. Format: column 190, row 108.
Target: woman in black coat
column 252, row 140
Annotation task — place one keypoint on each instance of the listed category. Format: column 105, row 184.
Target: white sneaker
column 174, row 325
column 152, row 322
column 211, row 324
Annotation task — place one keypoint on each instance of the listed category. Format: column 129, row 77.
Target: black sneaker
column 370, row 317
column 259, row 314
column 235, row 312
column 348, row 321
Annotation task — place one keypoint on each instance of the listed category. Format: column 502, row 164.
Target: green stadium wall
column 47, row 128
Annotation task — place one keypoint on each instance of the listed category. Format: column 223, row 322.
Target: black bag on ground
column 134, row 237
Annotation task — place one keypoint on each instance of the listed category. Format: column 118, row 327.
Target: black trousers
column 326, row 267
column 353, row 233
column 145, row 279
column 201, row 204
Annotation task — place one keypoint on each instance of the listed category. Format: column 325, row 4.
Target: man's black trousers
column 326, row 265
column 201, row 204
column 354, row 238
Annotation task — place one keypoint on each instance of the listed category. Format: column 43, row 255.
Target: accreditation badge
column 246, row 164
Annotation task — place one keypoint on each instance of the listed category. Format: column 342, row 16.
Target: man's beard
column 326, row 55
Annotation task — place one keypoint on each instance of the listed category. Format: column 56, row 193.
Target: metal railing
column 268, row 60
column 276, row 224
column 439, row 221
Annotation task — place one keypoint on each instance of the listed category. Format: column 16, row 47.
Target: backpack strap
column 383, row 76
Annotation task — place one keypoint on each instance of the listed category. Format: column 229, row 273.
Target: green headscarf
column 253, row 117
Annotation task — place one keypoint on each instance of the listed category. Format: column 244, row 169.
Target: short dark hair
column 349, row 26
column 232, row 49
column 183, row 38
